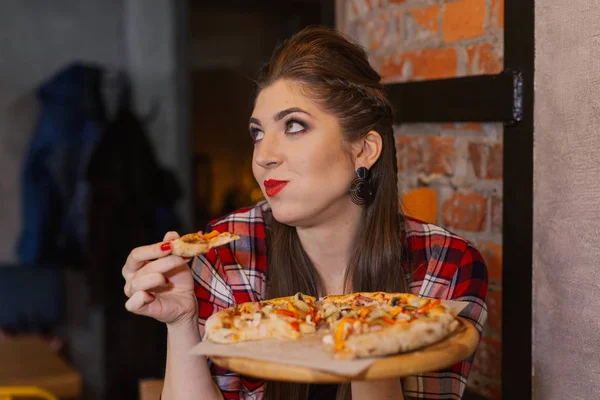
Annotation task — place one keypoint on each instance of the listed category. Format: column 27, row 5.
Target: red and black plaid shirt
column 445, row 266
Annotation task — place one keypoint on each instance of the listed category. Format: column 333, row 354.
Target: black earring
column 360, row 189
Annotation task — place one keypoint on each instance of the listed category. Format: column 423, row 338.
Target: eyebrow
column 281, row 114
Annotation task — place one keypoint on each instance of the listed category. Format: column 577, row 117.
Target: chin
column 288, row 214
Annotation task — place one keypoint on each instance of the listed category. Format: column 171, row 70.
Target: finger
column 140, row 255
column 171, row 235
column 145, row 282
column 165, row 264
column 139, row 301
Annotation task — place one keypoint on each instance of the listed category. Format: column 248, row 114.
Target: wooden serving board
column 457, row 346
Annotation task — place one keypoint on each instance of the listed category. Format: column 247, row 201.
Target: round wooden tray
column 457, row 346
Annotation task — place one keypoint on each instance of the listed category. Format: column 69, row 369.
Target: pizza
column 379, row 324
column 356, row 325
column 282, row 318
column 194, row 244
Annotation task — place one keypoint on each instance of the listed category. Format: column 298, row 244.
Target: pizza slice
column 379, row 324
column 194, row 244
column 282, row 318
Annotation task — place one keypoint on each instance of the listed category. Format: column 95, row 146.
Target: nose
column 267, row 152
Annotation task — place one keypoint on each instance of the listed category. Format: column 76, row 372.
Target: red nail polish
column 152, row 295
column 166, row 280
column 166, row 246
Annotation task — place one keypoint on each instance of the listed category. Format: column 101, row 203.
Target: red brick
column 495, row 159
column 494, row 390
column 363, row 6
column 421, row 64
column 463, row 19
column 401, row 142
column 470, row 126
column 443, row 155
column 492, row 254
column 494, row 306
column 416, row 151
column 377, row 29
column 466, row 211
column 427, row 17
column 482, row 59
column 488, row 357
column 467, row 126
column 410, row 153
column 497, row 17
column 478, row 153
column 496, row 214
column 490, row 156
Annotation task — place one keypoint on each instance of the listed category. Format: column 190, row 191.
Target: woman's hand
column 159, row 284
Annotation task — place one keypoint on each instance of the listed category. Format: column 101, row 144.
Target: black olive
column 395, row 301
column 300, row 296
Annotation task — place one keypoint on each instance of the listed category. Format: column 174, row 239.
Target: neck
column 330, row 244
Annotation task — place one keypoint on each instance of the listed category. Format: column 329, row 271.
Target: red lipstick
column 273, row 186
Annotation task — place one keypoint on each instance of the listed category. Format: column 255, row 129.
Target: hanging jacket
column 132, row 200
column 54, row 188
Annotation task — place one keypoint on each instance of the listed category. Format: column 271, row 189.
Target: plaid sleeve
column 214, row 293
column 468, row 283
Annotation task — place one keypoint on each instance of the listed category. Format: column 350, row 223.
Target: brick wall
column 410, row 40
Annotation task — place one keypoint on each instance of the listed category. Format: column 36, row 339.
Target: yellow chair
column 421, row 203
column 13, row 392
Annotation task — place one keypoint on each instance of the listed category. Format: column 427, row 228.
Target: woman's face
column 299, row 160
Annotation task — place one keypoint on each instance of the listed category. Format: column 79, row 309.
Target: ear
column 367, row 150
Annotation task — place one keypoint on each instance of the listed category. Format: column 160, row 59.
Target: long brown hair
column 335, row 73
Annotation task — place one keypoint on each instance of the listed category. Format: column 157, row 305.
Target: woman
column 324, row 157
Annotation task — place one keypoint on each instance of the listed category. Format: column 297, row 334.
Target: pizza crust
column 195, row 244
column 258, row 321
column 397, row 338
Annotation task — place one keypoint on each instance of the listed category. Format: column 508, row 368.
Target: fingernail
column 187, row 258
column 167, row 281
column 151, row 295
column 166, row 246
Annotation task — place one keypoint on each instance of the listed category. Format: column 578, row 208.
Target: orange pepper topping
column 395, row 311
column 291, row 307
column 388, row 321
column 364, row 312
column 317, row 319
column 339, row 333
column 210, row 235
column 286, row 313
column 428, row 306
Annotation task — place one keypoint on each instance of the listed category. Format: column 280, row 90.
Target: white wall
column 566, row 253
column 156, row 40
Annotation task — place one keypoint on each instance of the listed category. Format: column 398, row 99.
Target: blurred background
column 122, row 119
column 119, row 120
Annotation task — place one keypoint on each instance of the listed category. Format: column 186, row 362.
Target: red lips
column 273, row 186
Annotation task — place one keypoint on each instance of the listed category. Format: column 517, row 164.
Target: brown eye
column 293, row 127
column 256, row 134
